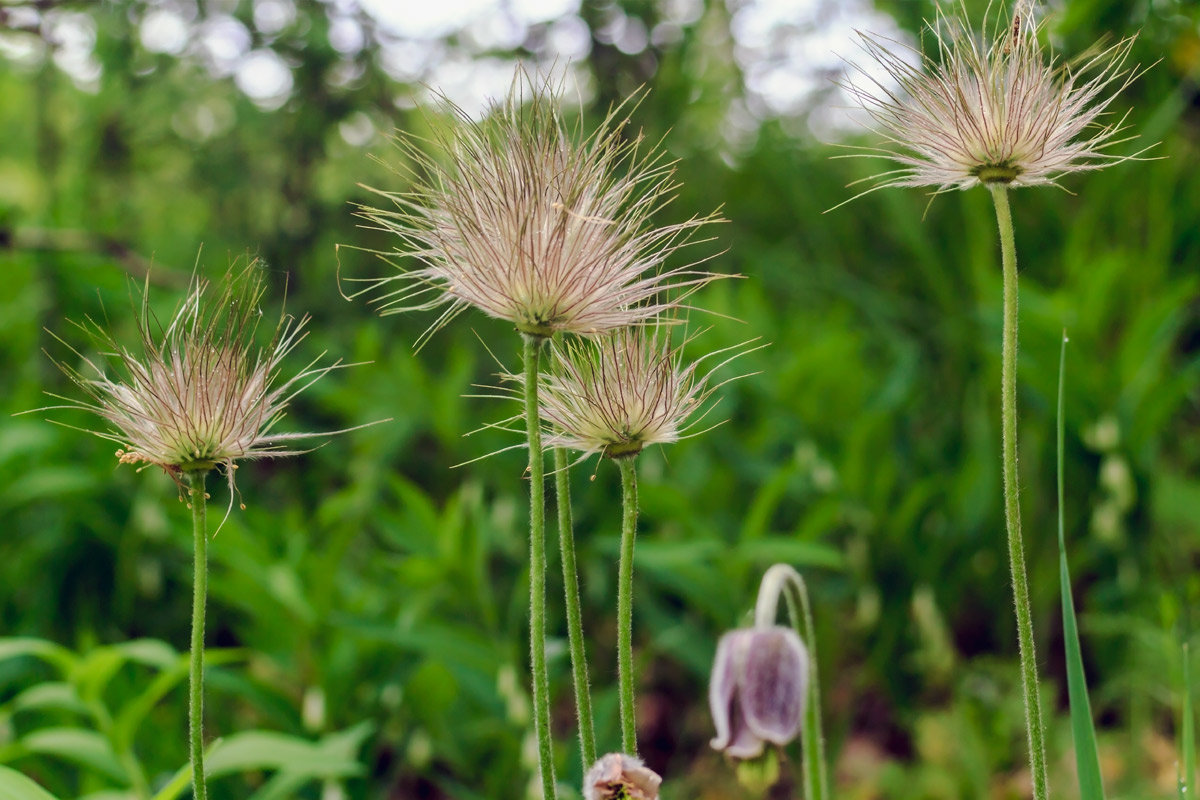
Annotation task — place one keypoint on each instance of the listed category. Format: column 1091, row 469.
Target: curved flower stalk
column 615, row 395
column 197, row 394
column 530, row 221
column 993, row 111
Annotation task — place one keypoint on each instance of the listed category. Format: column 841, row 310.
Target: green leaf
column 255, row 750
column 1083, row 731
column 132, row 714
column 51, row 694
column 85, row 748
column 54, row 654
column 297, row 760
column 15, row 786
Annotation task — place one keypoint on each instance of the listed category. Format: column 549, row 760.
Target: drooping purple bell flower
column 759, row 685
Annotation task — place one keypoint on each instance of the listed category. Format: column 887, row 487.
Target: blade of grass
column 1083, row 731
column 1187, row 785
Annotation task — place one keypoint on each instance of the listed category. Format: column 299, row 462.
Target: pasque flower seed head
column 198, row 392
column 619, row 393
column 526, row 219
column 992, row 109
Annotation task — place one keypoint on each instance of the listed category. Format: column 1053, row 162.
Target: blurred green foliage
column 370, row 582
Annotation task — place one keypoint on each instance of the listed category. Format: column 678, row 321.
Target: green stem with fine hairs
column 1012, row 498
column 579, row 670
column 629, row 515
column 198, row 501
column 537, row 568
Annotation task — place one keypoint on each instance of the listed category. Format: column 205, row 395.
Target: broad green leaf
column 297, row 760
column 1083, row 731
column 15, row 786
column 85, row 748
column 151, row 652
column 791, row 551
column 54, row 654
column 178, row 783
column 52, row 695
column 255, row 750
column 131, row 715
column 281, row 786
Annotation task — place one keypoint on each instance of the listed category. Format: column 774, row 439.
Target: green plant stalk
column 1012, row 498
column 814, row 742
column 532, row 348
column 579, row 669
column 198, row 501
column 783, row 579
column 629, row 515
column 1083, row 731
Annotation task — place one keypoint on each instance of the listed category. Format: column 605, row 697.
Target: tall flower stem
column 579, row 670
column 1012, row 498
column 532, row 349
column 198, row 501
column 629, row 515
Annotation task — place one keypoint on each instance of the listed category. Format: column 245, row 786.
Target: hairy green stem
column 198, row 501
column 579, row 669
column 1012, row 498
column 629, row 515
column 537, row 568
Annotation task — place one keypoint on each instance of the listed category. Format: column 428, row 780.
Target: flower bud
column 759, row 685
column 617, row 776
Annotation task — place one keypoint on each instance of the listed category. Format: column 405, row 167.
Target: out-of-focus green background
column 369, row 581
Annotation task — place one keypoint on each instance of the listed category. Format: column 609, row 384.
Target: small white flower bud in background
column 617, row 776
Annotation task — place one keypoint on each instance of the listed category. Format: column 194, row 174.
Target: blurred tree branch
column 77, row 241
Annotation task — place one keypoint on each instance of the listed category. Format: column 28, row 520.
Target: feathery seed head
column 201, row 392
column 529, row 221
column 619, row 393
column 992, row 109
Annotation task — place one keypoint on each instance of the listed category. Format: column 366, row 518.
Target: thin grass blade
column 1187, row 785
column 1083, row 731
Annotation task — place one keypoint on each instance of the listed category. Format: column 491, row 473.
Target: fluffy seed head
column 619, row 393
column 526, row 219
column 992, row 108
column 198, row 392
